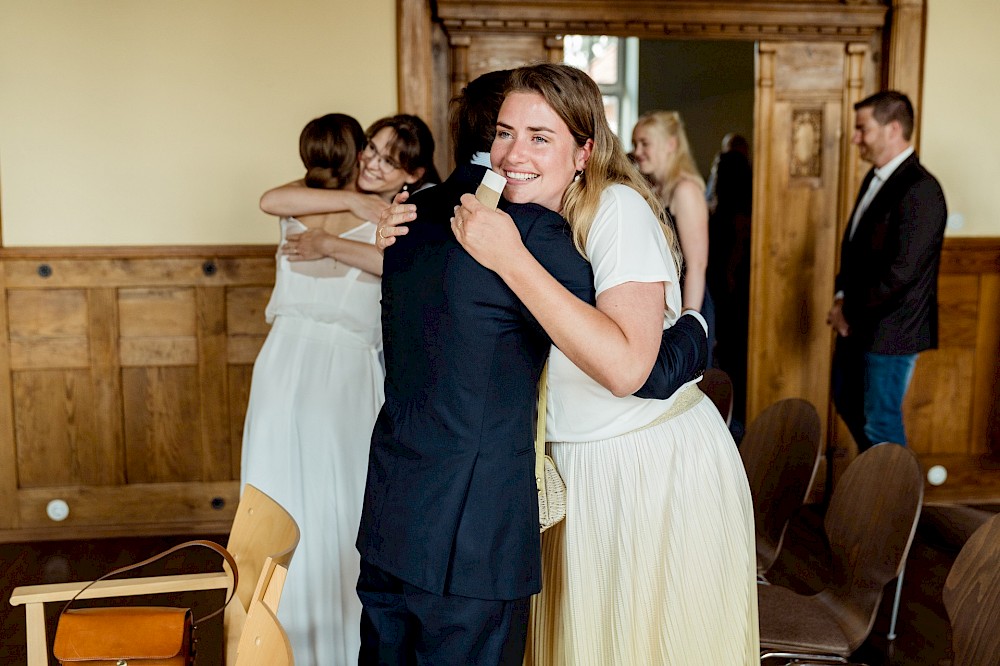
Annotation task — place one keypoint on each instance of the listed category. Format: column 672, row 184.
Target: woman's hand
column 367, row 206
column 308, row 245
column 399, row 213
column 490, row 236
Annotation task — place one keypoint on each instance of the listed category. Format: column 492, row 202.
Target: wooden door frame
column 883, row 40
column 899, row 25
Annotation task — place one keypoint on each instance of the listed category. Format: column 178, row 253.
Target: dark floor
column 923, row 632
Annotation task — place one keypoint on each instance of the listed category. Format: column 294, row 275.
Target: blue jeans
column 868, row 390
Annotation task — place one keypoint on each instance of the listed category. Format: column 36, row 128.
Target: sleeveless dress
column 655, row 561
column 316, row 390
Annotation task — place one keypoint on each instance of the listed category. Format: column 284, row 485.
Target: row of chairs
column 262, row 541
column 869, row 526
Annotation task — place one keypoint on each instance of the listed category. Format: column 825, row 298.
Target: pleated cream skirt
column 654, row 563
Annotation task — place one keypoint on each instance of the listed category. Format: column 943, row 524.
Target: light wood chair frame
column 262, row 541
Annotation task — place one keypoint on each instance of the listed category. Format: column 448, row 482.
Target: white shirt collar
column 884, row 172
column 482, row 159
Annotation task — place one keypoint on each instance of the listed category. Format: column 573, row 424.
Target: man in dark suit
column 885, row 308
column 449, row 535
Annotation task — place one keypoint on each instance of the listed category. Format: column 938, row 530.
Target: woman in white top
column 663, row 154
column 655, row 561
column 318, row 383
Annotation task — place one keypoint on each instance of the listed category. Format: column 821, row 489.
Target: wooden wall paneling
column 48, row 328
column 239, row 377
column 245, row 323
column 8, row 451
column 163, row 431
column 247, row 329
column 797, row 138
column 217, row 449
column 52, row 410
column 937, row 410
column 103, row 460
column 157, row 326
column 986, row 388
column 133, row 509
column 117, row 385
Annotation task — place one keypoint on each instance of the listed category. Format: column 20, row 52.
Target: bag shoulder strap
column 181, row 546
column 540, row 429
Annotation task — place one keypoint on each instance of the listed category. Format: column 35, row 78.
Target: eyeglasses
column 378, row 160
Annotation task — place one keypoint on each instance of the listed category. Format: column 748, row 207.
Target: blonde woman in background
column 662, row 153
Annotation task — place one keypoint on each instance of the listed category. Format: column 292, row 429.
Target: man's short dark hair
column 890, row 105
column 474, row 114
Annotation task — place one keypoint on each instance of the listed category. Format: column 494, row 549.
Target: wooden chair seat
column 780, row 452
column 972, row 598
column 869, row 526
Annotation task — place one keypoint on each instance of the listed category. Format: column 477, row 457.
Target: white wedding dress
column 317, row 388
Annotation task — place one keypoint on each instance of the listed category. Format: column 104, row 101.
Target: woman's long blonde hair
column 681, row 163
column 576, row 99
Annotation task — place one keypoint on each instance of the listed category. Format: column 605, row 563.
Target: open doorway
column 710, row 85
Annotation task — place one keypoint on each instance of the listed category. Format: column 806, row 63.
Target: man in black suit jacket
column 885, row 309
column 449, row 535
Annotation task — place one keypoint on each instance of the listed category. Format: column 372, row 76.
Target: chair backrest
column 264, row 641
column 781, row 453
column 718, row 386
column 972, row 597
column 262, row 529
column 870, row 525
column 262, row 541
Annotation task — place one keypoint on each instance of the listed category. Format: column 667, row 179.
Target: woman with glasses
column 317, row 382
column 397, row 155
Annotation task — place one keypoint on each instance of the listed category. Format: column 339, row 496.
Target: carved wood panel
column 127, row 373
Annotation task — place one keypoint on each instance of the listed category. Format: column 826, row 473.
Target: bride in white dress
column 318, row 381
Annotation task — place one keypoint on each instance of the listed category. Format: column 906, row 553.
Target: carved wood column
column 907, row 32
column 797, row 171
column 555, row 49
column 414, row 58
column 459, row 62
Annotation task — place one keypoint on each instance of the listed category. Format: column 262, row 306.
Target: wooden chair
column 718, row 386
column 972, row 598
column 869, row 525
column 781, row 452
column 262, row 541
column 263, row 641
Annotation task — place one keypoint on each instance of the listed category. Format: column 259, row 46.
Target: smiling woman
column 628, row 529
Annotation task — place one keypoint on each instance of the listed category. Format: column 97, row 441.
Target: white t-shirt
column 625, row 244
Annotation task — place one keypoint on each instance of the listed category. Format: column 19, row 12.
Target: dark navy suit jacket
column 450, row 503
column 889, row 269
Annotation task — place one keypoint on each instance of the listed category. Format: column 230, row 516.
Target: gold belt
column 686, row 399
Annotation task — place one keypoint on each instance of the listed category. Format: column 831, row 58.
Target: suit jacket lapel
column 885, row 193
column 857, row 202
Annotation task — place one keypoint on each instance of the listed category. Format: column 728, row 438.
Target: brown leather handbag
column 136, row 636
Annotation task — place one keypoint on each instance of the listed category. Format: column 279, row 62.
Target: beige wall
column 126, row 122
column 959, row 141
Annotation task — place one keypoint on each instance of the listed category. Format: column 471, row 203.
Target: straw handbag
column 551, row 487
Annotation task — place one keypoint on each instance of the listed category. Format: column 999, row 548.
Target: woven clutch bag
column 551, row 487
